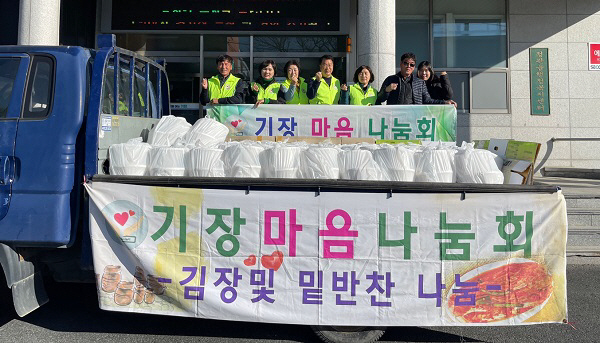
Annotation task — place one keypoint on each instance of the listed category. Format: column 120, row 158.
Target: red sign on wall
column 594, row 53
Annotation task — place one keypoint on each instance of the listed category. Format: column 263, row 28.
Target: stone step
column 571, row 172
column 575, row 201
column 583, row 216
column 583, row 240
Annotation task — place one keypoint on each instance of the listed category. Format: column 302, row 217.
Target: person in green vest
column 264, row 90
column 361, row 92
column 293, row 89
column 324, row 88
column 223, row 88
column 123, row 108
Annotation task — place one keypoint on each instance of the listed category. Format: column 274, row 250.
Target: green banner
column 412, row 122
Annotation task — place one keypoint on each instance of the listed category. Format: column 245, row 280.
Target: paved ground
column 73, row 316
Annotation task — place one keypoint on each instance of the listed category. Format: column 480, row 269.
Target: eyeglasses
column 412, row 65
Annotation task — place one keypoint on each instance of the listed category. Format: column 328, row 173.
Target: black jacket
column 439, row 87
column 419, row 90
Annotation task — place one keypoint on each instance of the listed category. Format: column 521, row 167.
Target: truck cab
column 56, row 106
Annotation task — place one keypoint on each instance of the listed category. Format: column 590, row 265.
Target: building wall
column 565, row 27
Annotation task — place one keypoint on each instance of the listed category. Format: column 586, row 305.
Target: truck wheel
column 348, row 334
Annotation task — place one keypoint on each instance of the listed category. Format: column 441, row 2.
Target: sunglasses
column 412, row 65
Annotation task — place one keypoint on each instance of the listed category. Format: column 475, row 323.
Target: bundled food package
column 396, row 161
column 168, row 130
column 320, row 162
column 167, row 161
column 358, row 164
column 129, row 158
column 204, row 162
column 206, row 132
column 477, row 166
column 435, row 165
column 242, row 159
column 281, row 161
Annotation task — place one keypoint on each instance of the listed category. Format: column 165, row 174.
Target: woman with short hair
column 293, row 89
column 264, row 90
column 361, row 92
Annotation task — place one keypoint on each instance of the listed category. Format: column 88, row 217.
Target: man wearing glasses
column 406, row 89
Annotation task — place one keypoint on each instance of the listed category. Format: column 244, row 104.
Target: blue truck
column 52, row 101
column 60, row 109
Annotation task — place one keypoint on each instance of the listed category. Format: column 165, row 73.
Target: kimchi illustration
column 500, row 291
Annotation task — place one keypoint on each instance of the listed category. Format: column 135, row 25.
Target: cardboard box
column 517, row 172
column 250, row 138
column 353, row 140
column 511, row 151
column 308, row 139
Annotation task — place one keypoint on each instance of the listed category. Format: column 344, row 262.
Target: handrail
column 573, row 139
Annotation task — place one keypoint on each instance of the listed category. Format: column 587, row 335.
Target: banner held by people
column 415, row 122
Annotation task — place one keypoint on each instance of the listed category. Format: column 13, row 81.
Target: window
column 139, row 90
column 469, row 34
column 8, row 73
column 39, row 90
column 299, row 44
column 466, row 38
column 241, row 67
column 308, row 67
column 226, row 44
column 412, row 29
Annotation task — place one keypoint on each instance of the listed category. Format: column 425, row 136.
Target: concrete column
column 39, row 22
column 376, row 46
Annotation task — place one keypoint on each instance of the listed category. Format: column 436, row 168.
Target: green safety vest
column 327, row 95
column 358, row 97
column 215, row 91
column 123, row 109
column 300, row 94
column 269, row 93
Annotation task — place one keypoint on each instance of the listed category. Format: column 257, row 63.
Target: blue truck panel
column 48, row 147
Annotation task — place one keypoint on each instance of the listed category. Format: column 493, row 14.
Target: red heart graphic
column 121, row 218
column 131, row 213
column 250, row 261
column 239, row 120
column 272, row 261
column 234, row 123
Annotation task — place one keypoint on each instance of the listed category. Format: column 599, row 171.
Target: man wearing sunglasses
column 405, row 88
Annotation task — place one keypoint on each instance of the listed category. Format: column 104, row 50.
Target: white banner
column 337, row 258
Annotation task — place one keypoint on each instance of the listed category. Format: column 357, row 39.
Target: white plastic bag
column 358, row 164
column 206, row 132
column 168, row 130
column 281, row 161
column 397, row 162
column 241, row 159
column 320, row 162
column 477, row 166
column 204, row 162
column 129, row 158
column 435, row 165
column 167, row 161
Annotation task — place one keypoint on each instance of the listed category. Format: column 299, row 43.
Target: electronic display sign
column 226, row 15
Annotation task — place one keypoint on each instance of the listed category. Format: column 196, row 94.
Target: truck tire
column 348, row 334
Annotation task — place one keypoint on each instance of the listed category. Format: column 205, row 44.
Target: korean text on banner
column 398, row 122
column 353, row 259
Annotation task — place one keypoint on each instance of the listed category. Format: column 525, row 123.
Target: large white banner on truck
column 331, row 258
column 398, row 122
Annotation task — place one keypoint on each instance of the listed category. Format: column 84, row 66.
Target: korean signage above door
column 232, row 15
column 594, row 54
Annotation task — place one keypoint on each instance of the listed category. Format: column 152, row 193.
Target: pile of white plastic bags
column 176, row 148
